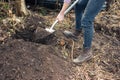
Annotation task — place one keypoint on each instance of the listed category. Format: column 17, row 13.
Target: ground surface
column 31, row 53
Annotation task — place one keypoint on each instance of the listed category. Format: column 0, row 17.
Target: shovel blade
column 50, row 30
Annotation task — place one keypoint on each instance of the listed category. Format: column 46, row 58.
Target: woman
column 85, row 12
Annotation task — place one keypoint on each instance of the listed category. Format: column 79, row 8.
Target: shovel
column 51, row 30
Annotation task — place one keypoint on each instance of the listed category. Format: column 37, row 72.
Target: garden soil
column 33, row 54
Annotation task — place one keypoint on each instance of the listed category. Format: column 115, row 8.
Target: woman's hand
column 60, row 17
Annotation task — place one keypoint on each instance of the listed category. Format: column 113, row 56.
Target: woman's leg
column 79, row 9
column 92, row 9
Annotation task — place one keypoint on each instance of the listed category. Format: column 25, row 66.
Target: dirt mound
column 20, row 60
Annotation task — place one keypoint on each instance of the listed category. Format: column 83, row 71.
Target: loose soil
column 34, row 54
column 21, row 60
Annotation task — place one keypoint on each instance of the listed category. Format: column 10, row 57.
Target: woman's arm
column 60, row 16
column 65, row 5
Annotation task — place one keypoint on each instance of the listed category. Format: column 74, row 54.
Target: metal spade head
column 49, row 30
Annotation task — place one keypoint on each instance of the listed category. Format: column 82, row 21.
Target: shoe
column 85, row 56
column 73, row 35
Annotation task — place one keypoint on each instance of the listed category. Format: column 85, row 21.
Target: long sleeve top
column 67, row 1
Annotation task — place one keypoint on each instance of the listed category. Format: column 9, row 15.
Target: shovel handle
column 54, row 24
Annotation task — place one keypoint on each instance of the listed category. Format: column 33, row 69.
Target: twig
column 71, row 56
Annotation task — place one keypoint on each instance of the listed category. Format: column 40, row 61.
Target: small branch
column 72, row 51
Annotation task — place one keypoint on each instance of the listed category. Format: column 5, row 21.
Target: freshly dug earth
column 20, row 60
column 30, row 54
